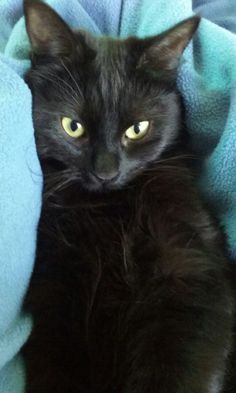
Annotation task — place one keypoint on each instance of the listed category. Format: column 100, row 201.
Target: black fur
column 130, row 291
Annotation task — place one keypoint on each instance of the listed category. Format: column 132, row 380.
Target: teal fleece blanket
column 207, row 80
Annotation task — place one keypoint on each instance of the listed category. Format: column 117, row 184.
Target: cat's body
column 130, row 286
column 130, row 291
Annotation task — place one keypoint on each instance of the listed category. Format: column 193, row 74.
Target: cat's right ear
column 48, row 33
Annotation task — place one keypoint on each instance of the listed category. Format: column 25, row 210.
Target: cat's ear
column 163, row 52
column 48, row 33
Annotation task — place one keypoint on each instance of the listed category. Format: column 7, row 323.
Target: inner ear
column 48, row 33
column 163, row 52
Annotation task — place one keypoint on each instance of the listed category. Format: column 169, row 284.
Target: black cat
column 130, row 291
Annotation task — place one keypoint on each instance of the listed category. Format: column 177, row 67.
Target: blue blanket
column 207, row 80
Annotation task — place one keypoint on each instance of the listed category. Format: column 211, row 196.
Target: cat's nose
column 106, row 166
column 106, row 176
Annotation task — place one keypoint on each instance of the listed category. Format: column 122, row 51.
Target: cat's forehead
column 109, row 49
column 109, row 70
column 112, row 59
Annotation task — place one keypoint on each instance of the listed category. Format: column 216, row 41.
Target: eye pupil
column 73, row 125
column 136, row 128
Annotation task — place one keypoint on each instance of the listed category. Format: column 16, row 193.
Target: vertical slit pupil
column 73, row 125
column 136, row 128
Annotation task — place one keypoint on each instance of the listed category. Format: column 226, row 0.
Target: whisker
column 65, row 83
column 54, row 79
column 72, row 77
column 55, row 182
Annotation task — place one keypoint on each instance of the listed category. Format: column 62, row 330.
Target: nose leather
column 106, row 166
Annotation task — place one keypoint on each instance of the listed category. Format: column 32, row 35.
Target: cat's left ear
column 48, row 33
column 163, row 52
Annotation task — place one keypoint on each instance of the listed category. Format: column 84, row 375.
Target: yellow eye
column 137, row 130
column 72, row 127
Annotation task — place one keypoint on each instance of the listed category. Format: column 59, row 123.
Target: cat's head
column 104, row 109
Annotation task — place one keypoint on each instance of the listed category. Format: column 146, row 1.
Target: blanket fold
column 207, row 81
